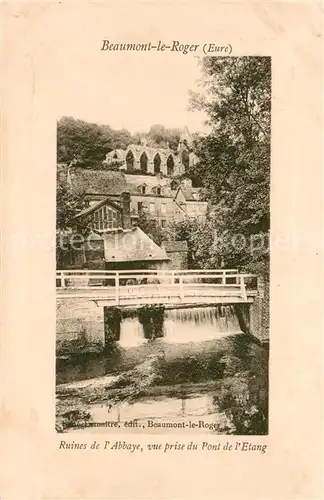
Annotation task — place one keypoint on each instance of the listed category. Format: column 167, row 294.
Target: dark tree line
column 234, row 165
column 88, row 143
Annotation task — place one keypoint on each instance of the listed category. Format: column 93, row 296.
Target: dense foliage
column 234, row 165
column 150, row 226
column 87, row 144
column 162, row 137
column 66, row 204
column 188, row 230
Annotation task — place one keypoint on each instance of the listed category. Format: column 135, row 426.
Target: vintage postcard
column 163, row 221
column 163, row 254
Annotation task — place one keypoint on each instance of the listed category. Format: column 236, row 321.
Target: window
column 163, row 223
column 170, row 165
column 185, row 160
column 108, row 218
column 96, row 220
column 105, row 218
column 100, row 225
column 139, row 206
column 158, row 191
column 130, row 160
column 157, row 164
column 114, row 218
column 143, row 189
column 143, row 162
column 152, row 208
column 163, row 208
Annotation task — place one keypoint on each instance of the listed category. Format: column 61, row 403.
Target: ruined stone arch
column 157, row 163
column 170, row 165
column 130, row 160
column 143, row 162
column 185, row 159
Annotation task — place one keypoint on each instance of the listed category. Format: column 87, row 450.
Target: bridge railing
column 91, row 278
column 152, row 283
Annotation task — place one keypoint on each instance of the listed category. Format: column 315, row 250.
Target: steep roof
column 150, row 180
column 93, row 208
column 104, row 182
column 132, row 188
column 151, row 190
column 132, row 245
column 187, row 193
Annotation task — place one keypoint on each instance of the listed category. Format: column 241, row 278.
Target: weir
column 221, row 317
column 211, row 305
column 194, row 324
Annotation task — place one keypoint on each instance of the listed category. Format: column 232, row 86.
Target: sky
column 132, row 91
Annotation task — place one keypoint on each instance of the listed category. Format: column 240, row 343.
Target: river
column 202, row 376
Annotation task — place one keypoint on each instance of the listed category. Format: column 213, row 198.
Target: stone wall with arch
column 153, row 160
column 140, row 158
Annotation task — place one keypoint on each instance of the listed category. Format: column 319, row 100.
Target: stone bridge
column 86, row 294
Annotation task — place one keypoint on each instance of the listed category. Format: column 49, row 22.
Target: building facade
column 110, row 241
column 140, row 158
column 156, row 180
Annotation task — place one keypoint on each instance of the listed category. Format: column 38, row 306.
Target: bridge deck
column 169, row 287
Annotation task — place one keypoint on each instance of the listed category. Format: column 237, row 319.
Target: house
column 120, row 249
column 187, row 198
column 132, row 249
column 105, row 215
column 104, row 237
column 161, row 198
column 148, row 180
column 154, row 175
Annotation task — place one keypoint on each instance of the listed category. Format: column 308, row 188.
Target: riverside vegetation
column 233, row 370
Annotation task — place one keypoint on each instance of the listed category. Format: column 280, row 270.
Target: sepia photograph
column 163, row 249
column 162, row 246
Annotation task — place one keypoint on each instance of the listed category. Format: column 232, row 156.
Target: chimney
column 127, row 223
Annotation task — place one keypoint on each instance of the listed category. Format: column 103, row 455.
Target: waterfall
column 194, row 324
column 191, row 324
column 131, row 332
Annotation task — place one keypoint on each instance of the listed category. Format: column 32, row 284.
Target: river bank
column 231, row 373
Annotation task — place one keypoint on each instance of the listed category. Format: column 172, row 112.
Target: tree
column 150, row 227
column 188, row 230
column 66, row 204
column 159, row 136
column 87, row 143
column 234, row 162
